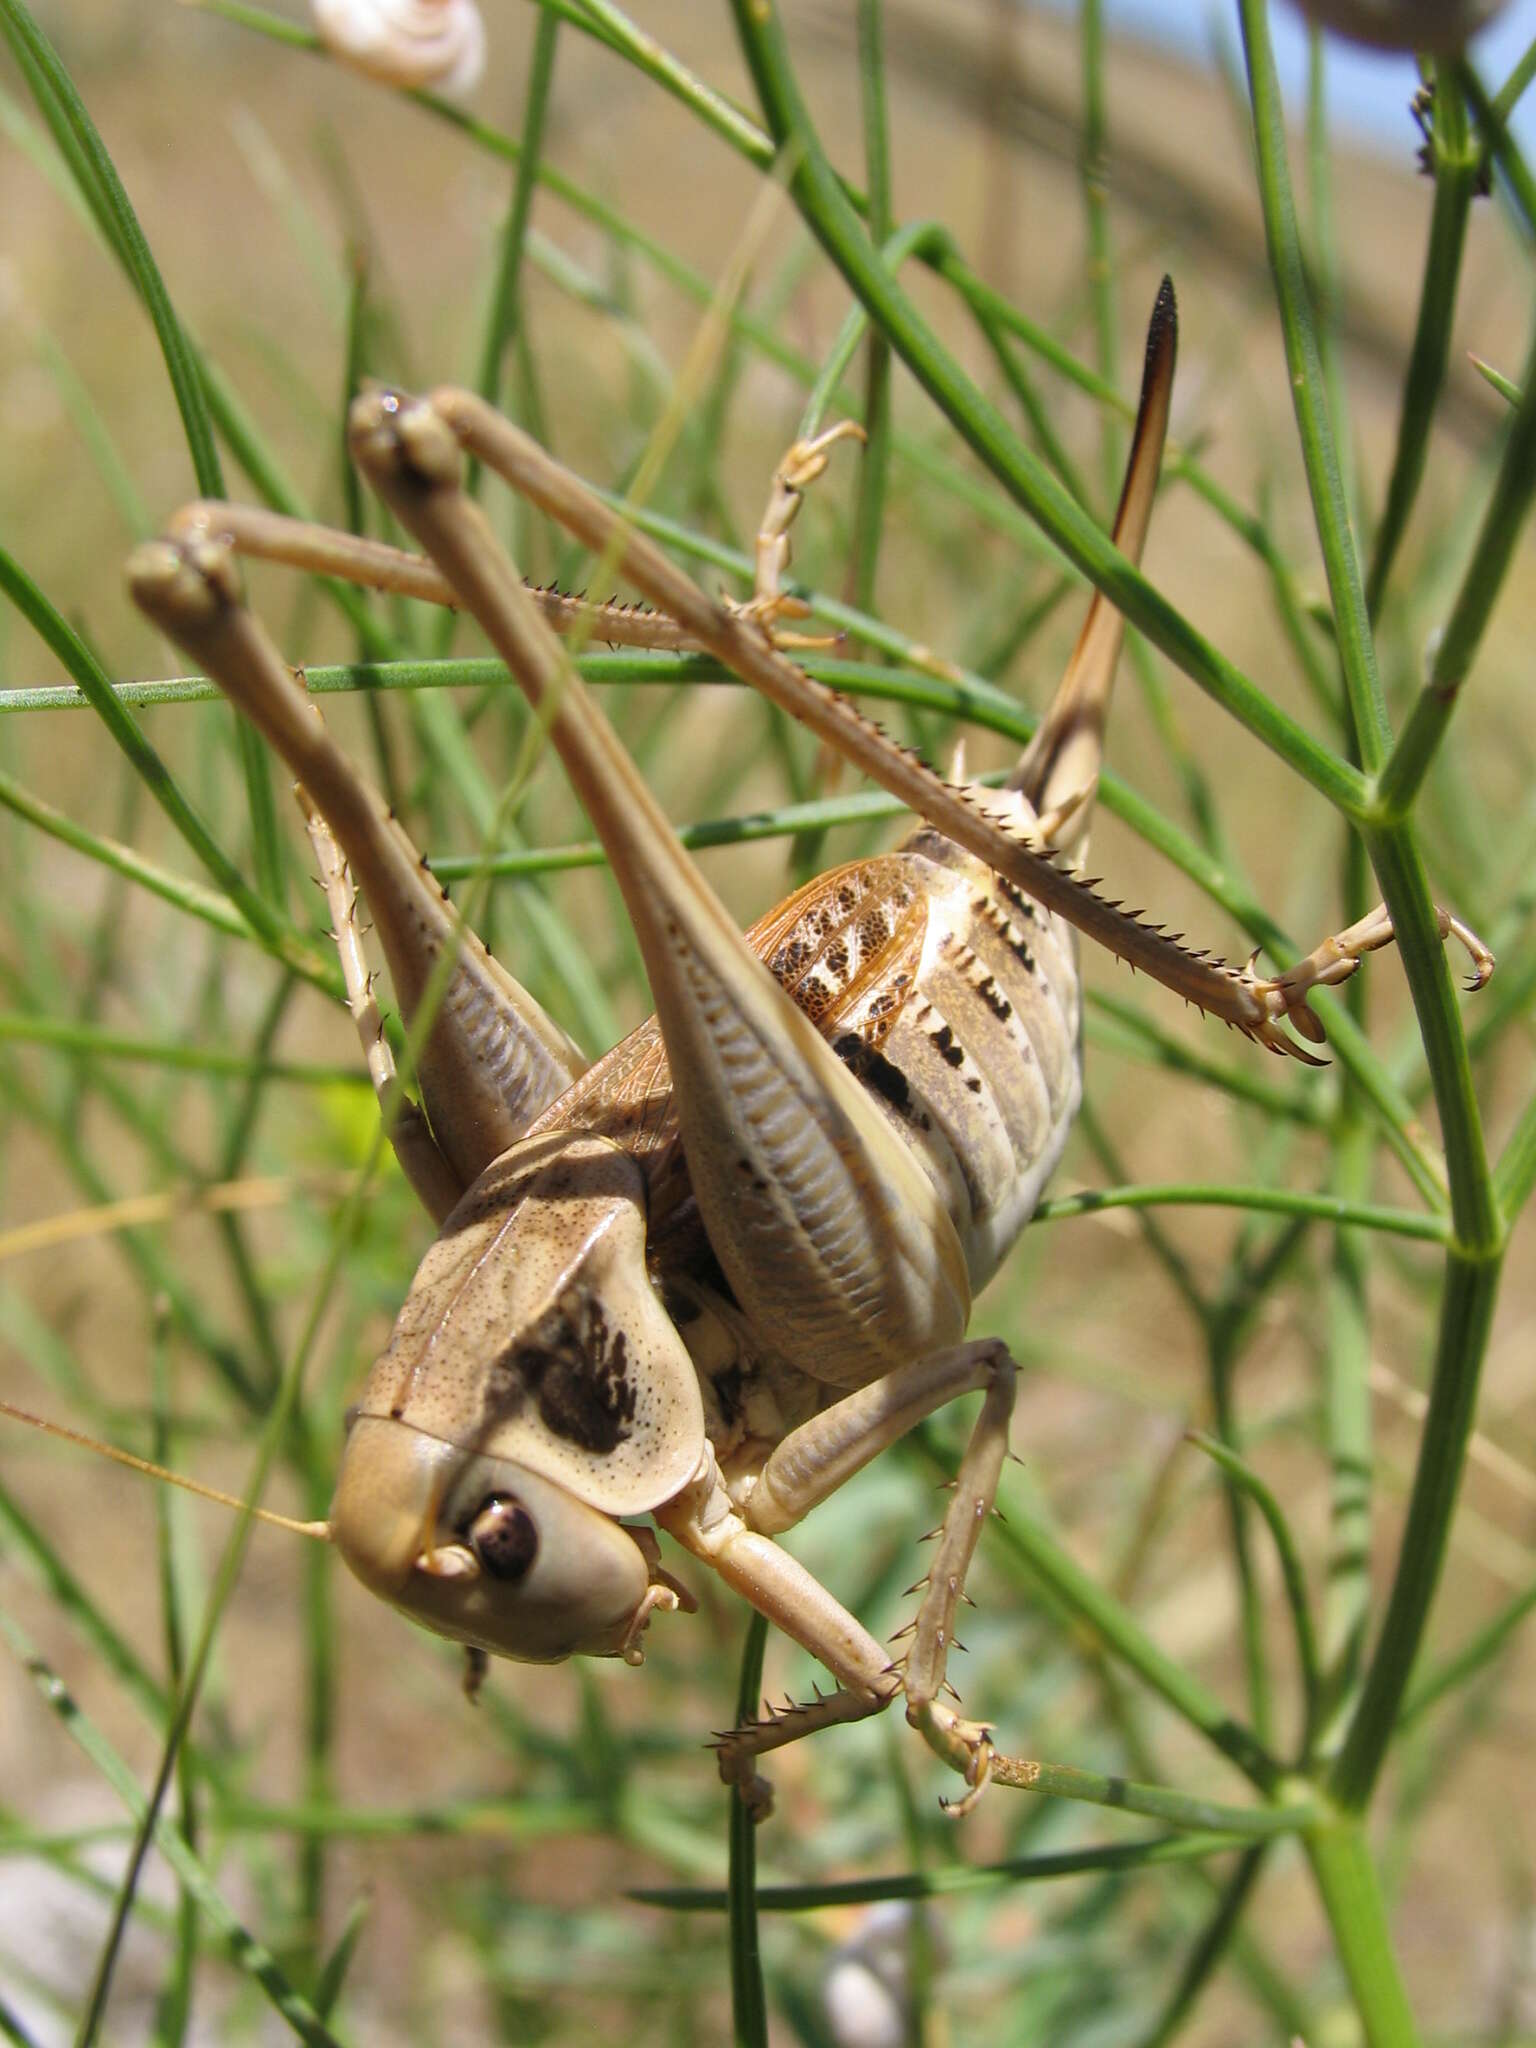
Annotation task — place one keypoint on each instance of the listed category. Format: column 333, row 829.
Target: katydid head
column 534, row 1391
column 483, row 1550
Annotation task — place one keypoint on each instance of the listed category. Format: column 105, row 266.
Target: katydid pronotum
column 709, row 1277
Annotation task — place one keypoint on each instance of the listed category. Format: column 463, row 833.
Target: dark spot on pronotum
column 577, row 1372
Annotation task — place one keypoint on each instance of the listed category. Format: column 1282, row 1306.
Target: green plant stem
column 1515, row 1174
column 1455, row 165
column 1499, row 143
column 945, row 1882
column 1025, row 1536
column 502, row 320
column 186, row 896
column 1467, row 1662
column 1351, row 1895
column 1409, row 762
column 1324, row 1207
column 832, row 219
column 77, row 659
column 1214, row 1940
column 647, row 55
column 1155, row 1802
column 874, row 471
column 243, row 1947
column 100, row 186
column 1347, row 1429
column 1292, row 1575
column 1101, row 273
column 749, row 2007
column 275, row 1429
column 1471, row 1286
column 88, row 1041
column 1303, row 356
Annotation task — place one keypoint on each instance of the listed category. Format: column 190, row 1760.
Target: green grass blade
column 1456, row 650
column 1323, row 1207
column 87, row 156
column 1468, row 1663
column 73, row 655
column 1357, row 650
column 1454, row 160
column 1291, row 1572
column 749, row 2007
column 244, row 1949
column 954, row 1881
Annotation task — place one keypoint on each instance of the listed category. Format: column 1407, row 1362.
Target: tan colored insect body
column 709, row 1277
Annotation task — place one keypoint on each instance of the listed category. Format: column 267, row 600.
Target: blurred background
column 466, row 1872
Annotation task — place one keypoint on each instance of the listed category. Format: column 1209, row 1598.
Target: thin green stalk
column 830, row 216
column 1121, row 1025
column 1357, row 651
column 1346, row 1879
column 874, row 471
column 505, row 308
column 1293, row 1577
column 1455, row 165
column 1496, row 381
column 1300, row 631
column 1347, row 1433
column 175, row 2002
column 1223, row 1337
column 1322, row 1206
column 1155, row 1802
column 1515, row 1174
column 1471, row 1287
column 244, row 1949
column 1410, row 760
column 1024, row 1536
column 1327, row 273
column 1500, row 144
column 90, row 1042
column 955, row 1879
column 87, row 156
column 122, row 860
column 96, row 175
column 74, row 656
column 275, row 1429
column 648, row 56
column 1215, row 1938
column 1092, row 169
column 113, row 471
column 70, row 1600
column 158, row 1274
column 749, row 2006
column 1512, row 91
column 1468, row 1662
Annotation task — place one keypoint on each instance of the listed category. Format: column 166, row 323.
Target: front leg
column 704, row 1521
column 814, row 1460
column 806, row 1468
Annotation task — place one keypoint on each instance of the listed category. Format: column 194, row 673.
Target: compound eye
column 504, row 1538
